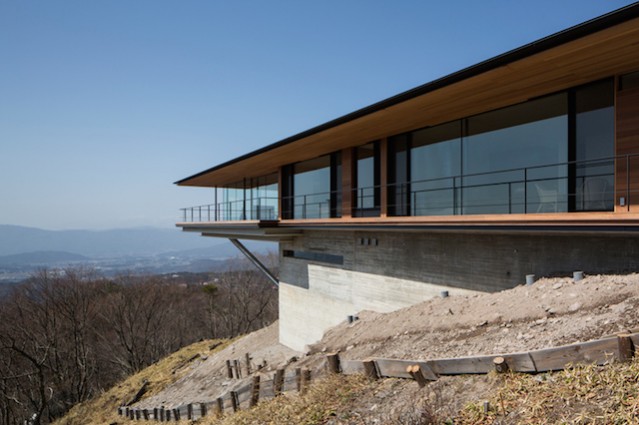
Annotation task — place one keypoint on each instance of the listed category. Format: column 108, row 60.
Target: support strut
column 253, row 259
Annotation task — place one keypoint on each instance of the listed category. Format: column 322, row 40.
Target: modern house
column 527, row 163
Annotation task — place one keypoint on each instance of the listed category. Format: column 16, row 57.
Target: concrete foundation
column 339, row 273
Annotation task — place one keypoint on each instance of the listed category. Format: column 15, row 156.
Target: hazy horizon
column 104, row 105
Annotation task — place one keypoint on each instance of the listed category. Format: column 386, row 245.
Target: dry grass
column 103, row 409
column 328, row 399
column 585, row 394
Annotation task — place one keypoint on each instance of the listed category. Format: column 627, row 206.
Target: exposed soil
column 549, row 313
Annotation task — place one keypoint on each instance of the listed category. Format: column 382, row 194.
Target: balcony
column 568, row 187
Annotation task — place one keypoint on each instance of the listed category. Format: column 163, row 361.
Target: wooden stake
column 370, row 369
column 248, row 363
column 278, row 381
column 202, row 410
column 220, row 406
column 235, row 403
column 298, row 378
column 500, row 364
column 229, row 370
column 176, row 414
column 255, row 391
column 416, row 372
column 306, row 381
column 626, row 347
column 145, row 414
column 189, row 411
column 238, row 369
column 332, row 360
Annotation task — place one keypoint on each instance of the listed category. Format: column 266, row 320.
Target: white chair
column 548, row 199
column 595, row 194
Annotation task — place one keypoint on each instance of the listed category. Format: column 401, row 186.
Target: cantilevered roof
column 595, row 49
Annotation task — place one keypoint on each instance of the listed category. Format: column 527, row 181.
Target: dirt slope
column 549, row 313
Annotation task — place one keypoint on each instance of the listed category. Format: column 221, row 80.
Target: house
column 527, row 163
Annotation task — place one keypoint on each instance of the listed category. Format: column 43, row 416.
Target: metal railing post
column 304, row 208
column 510, row 200
column 525, row 190
column 627, row 182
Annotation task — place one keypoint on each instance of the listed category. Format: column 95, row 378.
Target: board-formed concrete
column 334, row 294
column 383, row 271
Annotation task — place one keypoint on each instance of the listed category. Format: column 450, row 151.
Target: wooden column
column 348, row 178
column 383, row 177
column 280, row 186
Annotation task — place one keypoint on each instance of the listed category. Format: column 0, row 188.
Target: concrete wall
column 334, row 294
column 384, row 271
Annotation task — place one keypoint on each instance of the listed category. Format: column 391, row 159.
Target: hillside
column 549, row 313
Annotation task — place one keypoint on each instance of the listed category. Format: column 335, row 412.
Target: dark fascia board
column 592, row 26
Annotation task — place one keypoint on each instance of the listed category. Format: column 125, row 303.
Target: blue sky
column 104, row 104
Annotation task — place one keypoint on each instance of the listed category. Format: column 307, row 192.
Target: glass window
column 594, row 147
column 435, row 159
column 398, row 175
column 249, row 199
column 367, row 179
column 529, row 138
column 262, row 203
column 312, row 187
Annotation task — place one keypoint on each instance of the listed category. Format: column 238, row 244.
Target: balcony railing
column 264, row 208
column 560, row 187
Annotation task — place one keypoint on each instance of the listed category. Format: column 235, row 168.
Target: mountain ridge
column 143, row 241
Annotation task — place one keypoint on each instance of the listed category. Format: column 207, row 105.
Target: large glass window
column 594, row 147
column 435, row 159
column 312, row 188
column 529, row 138
column 367, row 180
column 262, row 200
column 249, row 199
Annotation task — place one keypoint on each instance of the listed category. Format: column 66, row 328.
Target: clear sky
column 105, row 103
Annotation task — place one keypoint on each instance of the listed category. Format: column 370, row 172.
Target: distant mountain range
column 104, row 243
column 41, row 257
column 152, row 250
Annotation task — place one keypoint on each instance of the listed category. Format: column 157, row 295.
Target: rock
column 574, row 307
column 557, row 285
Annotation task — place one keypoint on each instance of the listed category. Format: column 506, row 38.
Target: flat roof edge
column 575, row 32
